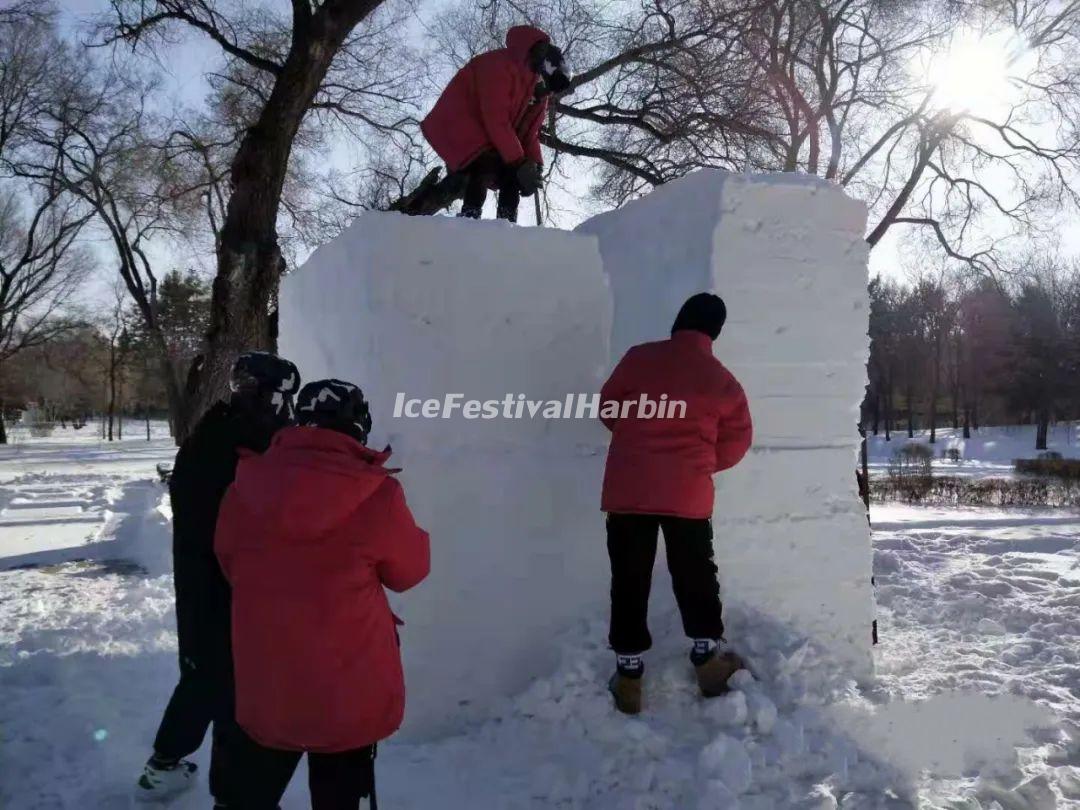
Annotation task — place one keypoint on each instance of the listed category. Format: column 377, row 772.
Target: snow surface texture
column 787, row 255
column 981, row 645
column 431, row 306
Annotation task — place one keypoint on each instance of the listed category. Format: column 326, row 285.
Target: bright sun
column 974, row 73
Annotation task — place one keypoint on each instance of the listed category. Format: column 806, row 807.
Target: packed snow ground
column 989, row 453
column 980, row 622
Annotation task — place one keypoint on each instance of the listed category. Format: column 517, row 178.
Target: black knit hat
column 704, row 312
column 337, row 405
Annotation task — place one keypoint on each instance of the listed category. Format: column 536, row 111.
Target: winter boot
column 627, row 693
column 714, row 671
column 162, row 779
column 470, row 212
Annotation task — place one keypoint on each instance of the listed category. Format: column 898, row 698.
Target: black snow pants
column 337, row 781
column 631, row 542
column 484, row 171
column 204, row 694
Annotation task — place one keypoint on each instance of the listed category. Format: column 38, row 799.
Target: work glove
column 529, row 177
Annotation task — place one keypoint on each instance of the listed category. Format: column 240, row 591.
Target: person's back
column 309, row 535
column 665, row 465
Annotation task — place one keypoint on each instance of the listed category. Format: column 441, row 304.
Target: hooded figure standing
column 310, row 535
column 486, row 124
column 261, row 403
column 659, row 477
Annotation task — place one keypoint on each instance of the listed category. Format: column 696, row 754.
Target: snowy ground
column 989, row 453
column 976, row 703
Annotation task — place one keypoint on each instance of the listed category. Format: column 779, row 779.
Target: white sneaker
column 160, row 782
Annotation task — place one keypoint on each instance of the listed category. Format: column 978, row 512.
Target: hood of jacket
column 521, row 38
column 310, row 482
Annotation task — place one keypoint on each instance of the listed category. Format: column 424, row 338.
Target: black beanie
column 703, row 313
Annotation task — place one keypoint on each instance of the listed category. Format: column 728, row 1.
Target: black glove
column 529, row 178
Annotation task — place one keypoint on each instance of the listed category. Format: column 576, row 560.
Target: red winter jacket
column 308, row 536
column 665, row 466
column 489, row 105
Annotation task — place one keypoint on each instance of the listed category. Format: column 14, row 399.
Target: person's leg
column 187, row 715
column 690, row 559
column 339, row 781
column 509, row 193
column 258, row 776
column 479, row 174
column 631, row 542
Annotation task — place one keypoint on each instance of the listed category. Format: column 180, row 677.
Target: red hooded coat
column 308, row 536
column 665, row 466
column 489, row 104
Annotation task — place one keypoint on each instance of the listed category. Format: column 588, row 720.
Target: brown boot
column 627, row 693
column 713, row 675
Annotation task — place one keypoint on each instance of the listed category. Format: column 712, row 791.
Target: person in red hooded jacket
column 310, row 535
column 486, row 124
column 659, row 476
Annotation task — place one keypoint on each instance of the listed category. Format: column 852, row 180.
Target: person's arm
column 616, row 389
column 735, row 431
column 407, row 558
column 494, row 87
column 531, row 137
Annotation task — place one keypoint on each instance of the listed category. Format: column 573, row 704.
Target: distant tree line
column 107, row 364
column 960, row 353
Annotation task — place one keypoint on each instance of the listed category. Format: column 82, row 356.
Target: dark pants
column 204, row 693
column 484, row 171
column 631, row 542
column 337, row 781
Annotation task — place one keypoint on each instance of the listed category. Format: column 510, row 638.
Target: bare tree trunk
column 3, row 424
column 112, row 386
column 876, row 412
column 910, row 414
column 1043, row 428
column 935, row 384
column 249, row 261
column 889, row 408
column 147, row 409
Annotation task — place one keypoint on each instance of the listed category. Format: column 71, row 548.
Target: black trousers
column 631, row 542
column 482, row 172
column 337, row 781
column 204, row 693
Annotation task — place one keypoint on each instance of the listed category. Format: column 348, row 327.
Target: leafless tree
column 277, row 71
column 40, row 264
column 831, row 88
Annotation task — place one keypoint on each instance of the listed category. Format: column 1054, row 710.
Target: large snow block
column 431, row 306
column 788, row 256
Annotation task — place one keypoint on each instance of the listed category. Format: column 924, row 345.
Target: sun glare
column 973, row 74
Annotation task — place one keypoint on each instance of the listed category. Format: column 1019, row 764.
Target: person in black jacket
column 261, row 402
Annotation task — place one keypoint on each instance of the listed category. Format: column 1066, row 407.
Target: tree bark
column 910, row 414
column 249, row 261
column 1043, row 428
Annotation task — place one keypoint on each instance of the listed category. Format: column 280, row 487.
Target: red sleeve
column 494, row 87
column 531, row 138
column 406, row 561
column 617, row 388
column 735, row 432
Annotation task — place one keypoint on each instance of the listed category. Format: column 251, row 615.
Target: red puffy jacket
column 308, row 536
column 665, row 466
column 489, row 104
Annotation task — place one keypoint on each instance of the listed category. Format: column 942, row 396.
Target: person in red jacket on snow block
column 310, row 535
column 659, row 476
column 486, row 124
